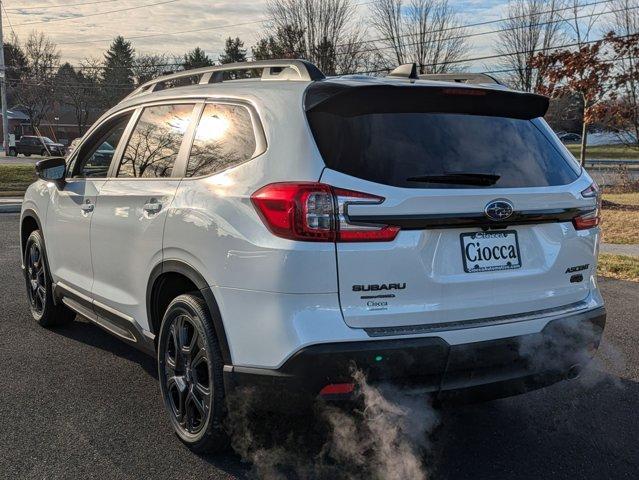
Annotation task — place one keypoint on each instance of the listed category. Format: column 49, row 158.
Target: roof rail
column 409, row 71
column 299, row 70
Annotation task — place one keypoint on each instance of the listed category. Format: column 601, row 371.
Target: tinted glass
column 224, row 138
column 390, row 148
column 155, row 142
column 93, row 161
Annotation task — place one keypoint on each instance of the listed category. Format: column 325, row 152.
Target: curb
column 10, row 208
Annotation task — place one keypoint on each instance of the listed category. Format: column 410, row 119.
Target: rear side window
column 155, row 142
column 224, row 138
column 436, row 150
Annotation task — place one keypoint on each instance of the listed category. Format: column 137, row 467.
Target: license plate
column 490, row 251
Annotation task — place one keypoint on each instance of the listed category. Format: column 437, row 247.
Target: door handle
column 87, row 207
column 152, row 207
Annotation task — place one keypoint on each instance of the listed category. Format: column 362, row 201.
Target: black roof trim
column 353, row 100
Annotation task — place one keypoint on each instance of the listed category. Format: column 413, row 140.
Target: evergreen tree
column 234, row 51
column 288, row 42
column 196, row 58
column 16, row 67
column 117, row 77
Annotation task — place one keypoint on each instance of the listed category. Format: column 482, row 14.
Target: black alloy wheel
column 190, row 374
column 187, row 375
column 43, row 308
column 36, row 279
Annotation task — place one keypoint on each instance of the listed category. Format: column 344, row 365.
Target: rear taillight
column 316, row 212
column 592, row 218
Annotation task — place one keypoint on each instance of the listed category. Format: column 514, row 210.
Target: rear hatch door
column 484, row 196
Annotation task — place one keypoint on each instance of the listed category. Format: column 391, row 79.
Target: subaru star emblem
column 499, row 210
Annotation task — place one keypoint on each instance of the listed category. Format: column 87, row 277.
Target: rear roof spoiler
column 351, row 100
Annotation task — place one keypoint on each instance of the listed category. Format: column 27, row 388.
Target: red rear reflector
column 337, row 389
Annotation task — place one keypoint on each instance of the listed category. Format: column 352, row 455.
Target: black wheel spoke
column 199, row 357
column 193, row 400
column 203, row 391
column 41, row 293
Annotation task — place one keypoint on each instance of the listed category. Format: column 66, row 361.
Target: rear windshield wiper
column 461, row 178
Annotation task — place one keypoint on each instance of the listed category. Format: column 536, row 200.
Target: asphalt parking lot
column 77, row 403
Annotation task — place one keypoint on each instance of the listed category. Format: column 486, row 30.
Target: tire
column 27, row 154
column 191, row 376
column 39, row 285
column 13, row 152
column 44, row 153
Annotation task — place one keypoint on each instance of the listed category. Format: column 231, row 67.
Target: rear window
column 434, row 150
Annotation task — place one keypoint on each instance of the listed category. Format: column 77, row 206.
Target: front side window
column 94, row 159
column 224, row 138
column 155, row 142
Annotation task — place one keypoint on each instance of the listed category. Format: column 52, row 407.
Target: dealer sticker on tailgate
column 489, row 251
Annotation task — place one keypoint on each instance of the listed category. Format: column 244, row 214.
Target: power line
column 98, row 13
column 176, row 64
column 489, row 32
column 196, row 30
column 8, row 20
column 490, row 22
column 128, row 86
column 465, row 60
column 218, row 27
column 46, row 7
column 500, row 55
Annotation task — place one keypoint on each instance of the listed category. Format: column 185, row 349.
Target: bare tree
column 149, row 66
column 324, row 30
column 77, row 91
column 580, row 20
column 35, row 90
column 427, row 32
column 531, row 26
column 625, row 17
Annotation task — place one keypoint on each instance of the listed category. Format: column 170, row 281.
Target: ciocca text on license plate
column 489, row 251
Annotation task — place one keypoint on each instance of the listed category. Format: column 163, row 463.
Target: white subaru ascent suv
column 260, row 225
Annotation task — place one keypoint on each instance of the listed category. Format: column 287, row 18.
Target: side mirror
column 52, row 170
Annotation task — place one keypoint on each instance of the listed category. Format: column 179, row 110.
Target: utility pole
column 3, row 91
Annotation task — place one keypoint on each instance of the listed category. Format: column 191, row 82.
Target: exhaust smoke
column 571, row 347
column 385, row 438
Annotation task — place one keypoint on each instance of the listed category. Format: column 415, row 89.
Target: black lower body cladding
column 473, row 371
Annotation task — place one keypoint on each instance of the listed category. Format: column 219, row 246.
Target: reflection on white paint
column 122, row 212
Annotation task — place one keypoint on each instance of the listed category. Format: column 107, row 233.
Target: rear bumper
column 472, row 371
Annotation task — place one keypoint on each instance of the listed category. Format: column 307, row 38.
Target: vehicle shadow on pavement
column 90, row 334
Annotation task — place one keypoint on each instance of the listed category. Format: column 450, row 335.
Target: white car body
column 277, row 296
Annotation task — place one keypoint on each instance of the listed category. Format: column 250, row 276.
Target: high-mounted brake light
column 317, row 212
column 592, row 218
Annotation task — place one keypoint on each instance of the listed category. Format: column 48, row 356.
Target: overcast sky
column 84, row 28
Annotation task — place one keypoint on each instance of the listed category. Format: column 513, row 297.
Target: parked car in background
column 36, row 145
column 569, row 137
